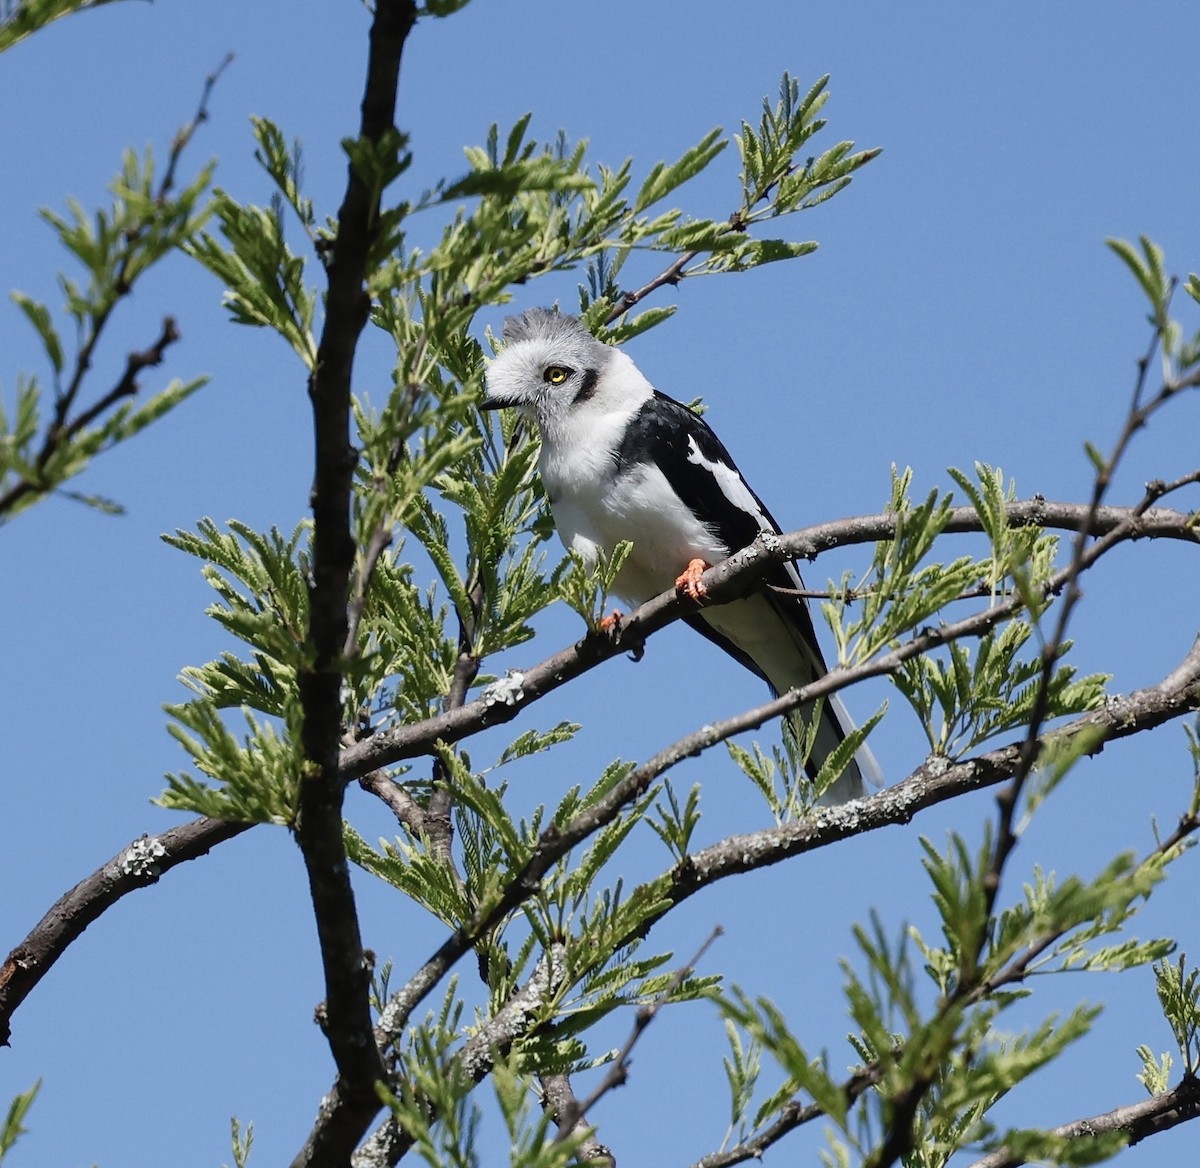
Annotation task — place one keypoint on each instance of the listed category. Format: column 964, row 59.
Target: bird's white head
column 551, row 368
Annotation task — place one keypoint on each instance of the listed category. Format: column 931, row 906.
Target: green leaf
column 12, row 1129
column 25, row 18
column 1155, row 1075
column 665, row 178
column 1148, row 270
column 1096, row 458
column 39, row 316
column 1179, row 996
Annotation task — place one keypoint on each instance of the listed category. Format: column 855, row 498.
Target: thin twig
column 792, row 1115
column 186, row 133
column 618, row 1071
column 671, row 274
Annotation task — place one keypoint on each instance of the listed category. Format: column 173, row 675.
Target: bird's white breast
column 593, row 511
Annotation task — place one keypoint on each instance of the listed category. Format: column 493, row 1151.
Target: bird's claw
column 613, row 627
column 690, row 583
column 611, row 624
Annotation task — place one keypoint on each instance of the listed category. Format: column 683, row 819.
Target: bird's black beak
column 495, row 403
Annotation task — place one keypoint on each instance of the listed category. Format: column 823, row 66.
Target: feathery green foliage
column 45, row 443
column 453, row 567
column 22, row 18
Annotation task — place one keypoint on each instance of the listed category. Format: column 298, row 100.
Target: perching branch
column 725, row 581
column 730, row 579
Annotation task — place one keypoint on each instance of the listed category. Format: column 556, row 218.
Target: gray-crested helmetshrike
column 621, row 461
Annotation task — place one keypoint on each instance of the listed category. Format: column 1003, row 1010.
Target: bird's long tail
column 773, row 635
column 862, row 772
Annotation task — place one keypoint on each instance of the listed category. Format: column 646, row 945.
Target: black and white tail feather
column 621, row 461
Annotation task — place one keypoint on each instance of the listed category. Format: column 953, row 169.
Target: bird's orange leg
column 689, row 582
column 612, row 622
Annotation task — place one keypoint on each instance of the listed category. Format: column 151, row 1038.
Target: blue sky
column 962, row 307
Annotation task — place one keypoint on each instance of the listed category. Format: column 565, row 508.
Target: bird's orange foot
column 689, row 581
column 611, row 624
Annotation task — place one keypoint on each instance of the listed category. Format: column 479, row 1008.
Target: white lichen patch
column 506, row 690
column 141, row 858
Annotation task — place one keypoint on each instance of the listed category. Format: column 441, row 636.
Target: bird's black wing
column 698, row 467
column 662, row 432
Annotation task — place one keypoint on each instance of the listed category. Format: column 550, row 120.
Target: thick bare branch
column 346, row 1014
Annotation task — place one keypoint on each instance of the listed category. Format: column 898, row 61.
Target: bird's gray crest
column 544, row 324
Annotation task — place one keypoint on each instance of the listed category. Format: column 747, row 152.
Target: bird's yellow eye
column 556, row 374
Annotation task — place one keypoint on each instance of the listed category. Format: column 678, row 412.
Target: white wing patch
column 732, row 485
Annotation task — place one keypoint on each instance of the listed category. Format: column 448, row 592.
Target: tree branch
column 902, row 1106
column 791, row 1116
column 933, row 783
column 346, row 1013
column 62, row 427
column 1137, row 1120
column 618, row 1071
column 559, row 1098
column 137, row 866
column 477, row 1056
column 726, row 581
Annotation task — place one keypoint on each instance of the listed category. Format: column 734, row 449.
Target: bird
column 621, row 461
